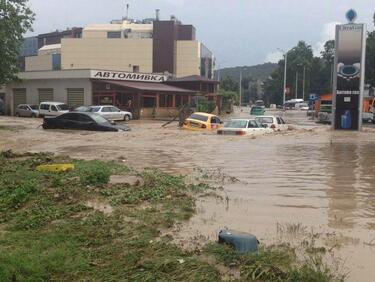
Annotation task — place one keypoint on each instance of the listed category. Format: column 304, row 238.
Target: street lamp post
column 285, row 68
column 303, row 85
column 241, row 89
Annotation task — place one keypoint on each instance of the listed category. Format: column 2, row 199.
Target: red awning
column 148, row 86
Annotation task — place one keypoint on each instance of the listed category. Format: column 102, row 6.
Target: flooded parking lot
column 311, row 177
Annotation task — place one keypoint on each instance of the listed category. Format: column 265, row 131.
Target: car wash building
column 138, row 64
column 145, row 95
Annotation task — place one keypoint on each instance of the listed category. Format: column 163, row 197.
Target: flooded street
column 310, row 177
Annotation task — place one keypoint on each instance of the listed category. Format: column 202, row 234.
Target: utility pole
column 240, row 88
column 331, row 82
column 285, row 64
column 303, row 86
column 296, row 84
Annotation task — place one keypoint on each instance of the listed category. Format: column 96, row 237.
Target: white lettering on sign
column 112, row 75
column 351, row 27
column 348, row 92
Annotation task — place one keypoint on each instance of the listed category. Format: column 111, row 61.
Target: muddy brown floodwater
column 323, row 182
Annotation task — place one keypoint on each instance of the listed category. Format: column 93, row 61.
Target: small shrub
column 15, row 197
column 95, row 173
column 57, row 181
column 206, row 106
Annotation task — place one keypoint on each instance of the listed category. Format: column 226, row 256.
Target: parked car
column 82, row 121
column 257, row 111
column 202, row 121
column 274, row 122
column 367, row 117
column 302, row 106
column 26, row 110
column 243, row 127
column 111, row 113
column 260, row 103
column 52, row 109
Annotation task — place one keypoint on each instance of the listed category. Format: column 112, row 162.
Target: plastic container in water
column 346, row 120
column 242, row 242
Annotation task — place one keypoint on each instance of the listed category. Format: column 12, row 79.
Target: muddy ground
column 305, row 182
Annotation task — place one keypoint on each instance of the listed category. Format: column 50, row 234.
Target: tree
column 320, row 76
column 328, row 54
column 229, row 84
column 16, row 18
column 370, row 58
column 300, row 57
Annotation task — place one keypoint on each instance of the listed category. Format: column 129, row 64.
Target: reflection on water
column 352, row 183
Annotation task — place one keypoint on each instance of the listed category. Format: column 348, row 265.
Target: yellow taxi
column 202, row 121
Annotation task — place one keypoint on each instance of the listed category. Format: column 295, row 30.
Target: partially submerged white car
column 242, row 127
column 111, row 113
column 274, row 122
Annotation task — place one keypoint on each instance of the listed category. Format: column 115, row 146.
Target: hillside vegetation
column 261, row 71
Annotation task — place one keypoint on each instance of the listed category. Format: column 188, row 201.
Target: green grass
column 47, row 231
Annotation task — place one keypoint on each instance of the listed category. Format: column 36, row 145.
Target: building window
column 166, row 101
column 114, row 34
column 148, row 102
column 135, row 68
column 56, row 61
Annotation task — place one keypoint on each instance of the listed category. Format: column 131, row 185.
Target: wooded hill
column 261, row 71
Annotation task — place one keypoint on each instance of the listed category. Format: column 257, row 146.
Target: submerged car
column 202, row 121
column 242, row 127
column 26, row 110
column 82, row 121
column 257, row 111
column 273, row 122
column 111, row 113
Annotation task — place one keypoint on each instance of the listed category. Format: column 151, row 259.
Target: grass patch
column 48, row 231
column 275, row 263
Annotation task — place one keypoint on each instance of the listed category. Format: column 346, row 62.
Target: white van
column 52, row 109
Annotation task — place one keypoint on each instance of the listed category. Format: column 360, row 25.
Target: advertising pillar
column 349, row 76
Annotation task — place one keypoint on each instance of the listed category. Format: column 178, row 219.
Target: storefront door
column 104, row 99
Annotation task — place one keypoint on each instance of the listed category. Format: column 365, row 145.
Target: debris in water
column 242, row 242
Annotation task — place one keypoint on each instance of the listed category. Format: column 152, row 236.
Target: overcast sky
column 239, row 32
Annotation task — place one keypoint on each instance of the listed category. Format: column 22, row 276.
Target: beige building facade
column 154, row 47
column 103, row 53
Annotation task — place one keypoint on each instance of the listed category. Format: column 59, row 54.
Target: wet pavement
column 321, row 181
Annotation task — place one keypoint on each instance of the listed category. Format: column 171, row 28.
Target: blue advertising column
column 348, row 84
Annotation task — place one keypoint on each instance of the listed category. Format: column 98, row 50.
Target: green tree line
column 318, row 71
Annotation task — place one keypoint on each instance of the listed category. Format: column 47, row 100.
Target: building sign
column 349, row 75
column 128, row 76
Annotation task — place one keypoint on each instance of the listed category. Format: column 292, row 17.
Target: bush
column 95, row 173
column 206, row 106
column 14, row 197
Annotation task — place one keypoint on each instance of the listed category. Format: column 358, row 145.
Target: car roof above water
column 242, row 119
